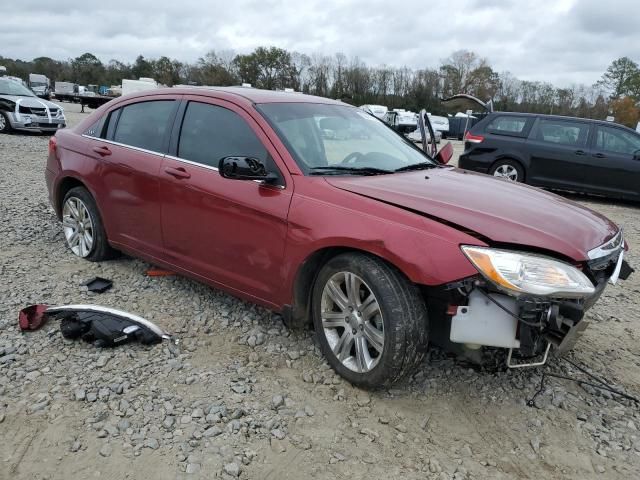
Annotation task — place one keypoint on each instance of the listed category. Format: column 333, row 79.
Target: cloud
column 560, row 41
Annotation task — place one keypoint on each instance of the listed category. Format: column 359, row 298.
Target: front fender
column 425, row 250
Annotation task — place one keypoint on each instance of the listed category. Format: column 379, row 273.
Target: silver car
column 20, row 109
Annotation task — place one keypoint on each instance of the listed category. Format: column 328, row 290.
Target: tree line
column 352, row 80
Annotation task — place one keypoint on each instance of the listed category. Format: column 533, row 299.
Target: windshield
column 38, row 84
column 323, row 136
column 10, row 87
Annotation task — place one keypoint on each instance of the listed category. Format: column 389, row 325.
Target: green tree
column 167, row 71
column 212, row 69
column 270, row 68
column 621, row 78
column 87, row 69
column 141, row 68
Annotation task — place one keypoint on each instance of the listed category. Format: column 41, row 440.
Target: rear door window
column 210, row 132
column 562, row 132
column 145, row 125
column 507, row 125
column 615, row 140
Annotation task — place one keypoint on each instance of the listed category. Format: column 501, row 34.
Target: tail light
column 469, row 137
column 53, row 144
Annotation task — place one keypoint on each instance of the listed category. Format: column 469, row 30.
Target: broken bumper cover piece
column 104, row 326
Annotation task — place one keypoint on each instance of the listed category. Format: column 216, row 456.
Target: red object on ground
column 159, row 273
column 33, row 316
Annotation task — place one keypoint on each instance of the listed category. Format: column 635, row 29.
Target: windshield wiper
column 417, row 166
column 355, row 170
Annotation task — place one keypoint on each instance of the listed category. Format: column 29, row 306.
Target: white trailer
column 131, row 86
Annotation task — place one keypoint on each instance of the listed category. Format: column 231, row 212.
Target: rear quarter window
column 507, row 125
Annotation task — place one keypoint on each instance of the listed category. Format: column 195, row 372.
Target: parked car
column 563, row 153
column 378, row 246
column 20, row 109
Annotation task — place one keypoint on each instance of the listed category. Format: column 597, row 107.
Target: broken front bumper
column 483, row 316
column 36, row 123
column 33, row 123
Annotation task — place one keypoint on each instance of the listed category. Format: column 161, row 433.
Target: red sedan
column 319, row 211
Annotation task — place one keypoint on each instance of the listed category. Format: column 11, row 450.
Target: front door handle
column 579, row 152
column 600, row 155
column 177, row 172
column 102, row 151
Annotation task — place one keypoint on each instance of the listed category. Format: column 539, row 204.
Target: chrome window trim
column 171, row 157
column 191, row 162
column 215, row 169
column 607, row 248
column 111, row 142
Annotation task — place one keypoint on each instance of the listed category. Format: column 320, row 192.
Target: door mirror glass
column 245, row 168
column 445, row 154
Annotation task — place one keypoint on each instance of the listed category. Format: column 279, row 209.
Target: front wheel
column 5, row 126
column 370, row 320
column 509, row 170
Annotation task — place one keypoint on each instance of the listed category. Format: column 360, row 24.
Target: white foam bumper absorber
column 484, row 323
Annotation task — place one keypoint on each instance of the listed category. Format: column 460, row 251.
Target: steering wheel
column 352, row 158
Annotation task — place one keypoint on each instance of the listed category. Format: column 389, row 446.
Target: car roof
column 242, row 94
column 562, row 117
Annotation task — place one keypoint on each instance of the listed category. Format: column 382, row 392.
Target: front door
column 615, row 161
column 232, row 232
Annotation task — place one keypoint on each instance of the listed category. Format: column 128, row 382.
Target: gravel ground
column 242, row 397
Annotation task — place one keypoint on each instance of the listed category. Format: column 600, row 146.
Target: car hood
column 496, row 209
column 29, row 101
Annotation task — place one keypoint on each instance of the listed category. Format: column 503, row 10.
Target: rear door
column 559, row 153
column 615, row 161
column 129, row 157
column 231, row 232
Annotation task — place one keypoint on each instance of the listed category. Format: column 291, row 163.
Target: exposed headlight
column 526, row 273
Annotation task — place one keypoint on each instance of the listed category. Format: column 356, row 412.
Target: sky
column 564, row 42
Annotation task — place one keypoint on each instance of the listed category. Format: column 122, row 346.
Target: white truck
column 40, row 85
column 401, row 120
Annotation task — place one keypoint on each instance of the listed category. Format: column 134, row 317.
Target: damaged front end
column 525, row 302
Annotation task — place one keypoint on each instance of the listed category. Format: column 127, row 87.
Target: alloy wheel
column 3, row 123
column 77, row 226
column 352, row 322
column 506, row 171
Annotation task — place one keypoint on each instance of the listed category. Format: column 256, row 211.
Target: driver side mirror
column 636, row 155
column 245, row 168
column 445, row 154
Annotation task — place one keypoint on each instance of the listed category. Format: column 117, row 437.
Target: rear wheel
column 370, row 320
column 5, row 126
column 508, row 169
column 82, row 226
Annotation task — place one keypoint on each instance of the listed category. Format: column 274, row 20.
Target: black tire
column 404, row 317
column 510, row 164
column 100, row 249
column 5, row 126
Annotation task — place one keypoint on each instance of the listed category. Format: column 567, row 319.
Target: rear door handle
column 579, row 152
column 600, row 155
column 177, row 172
column 102, row 151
